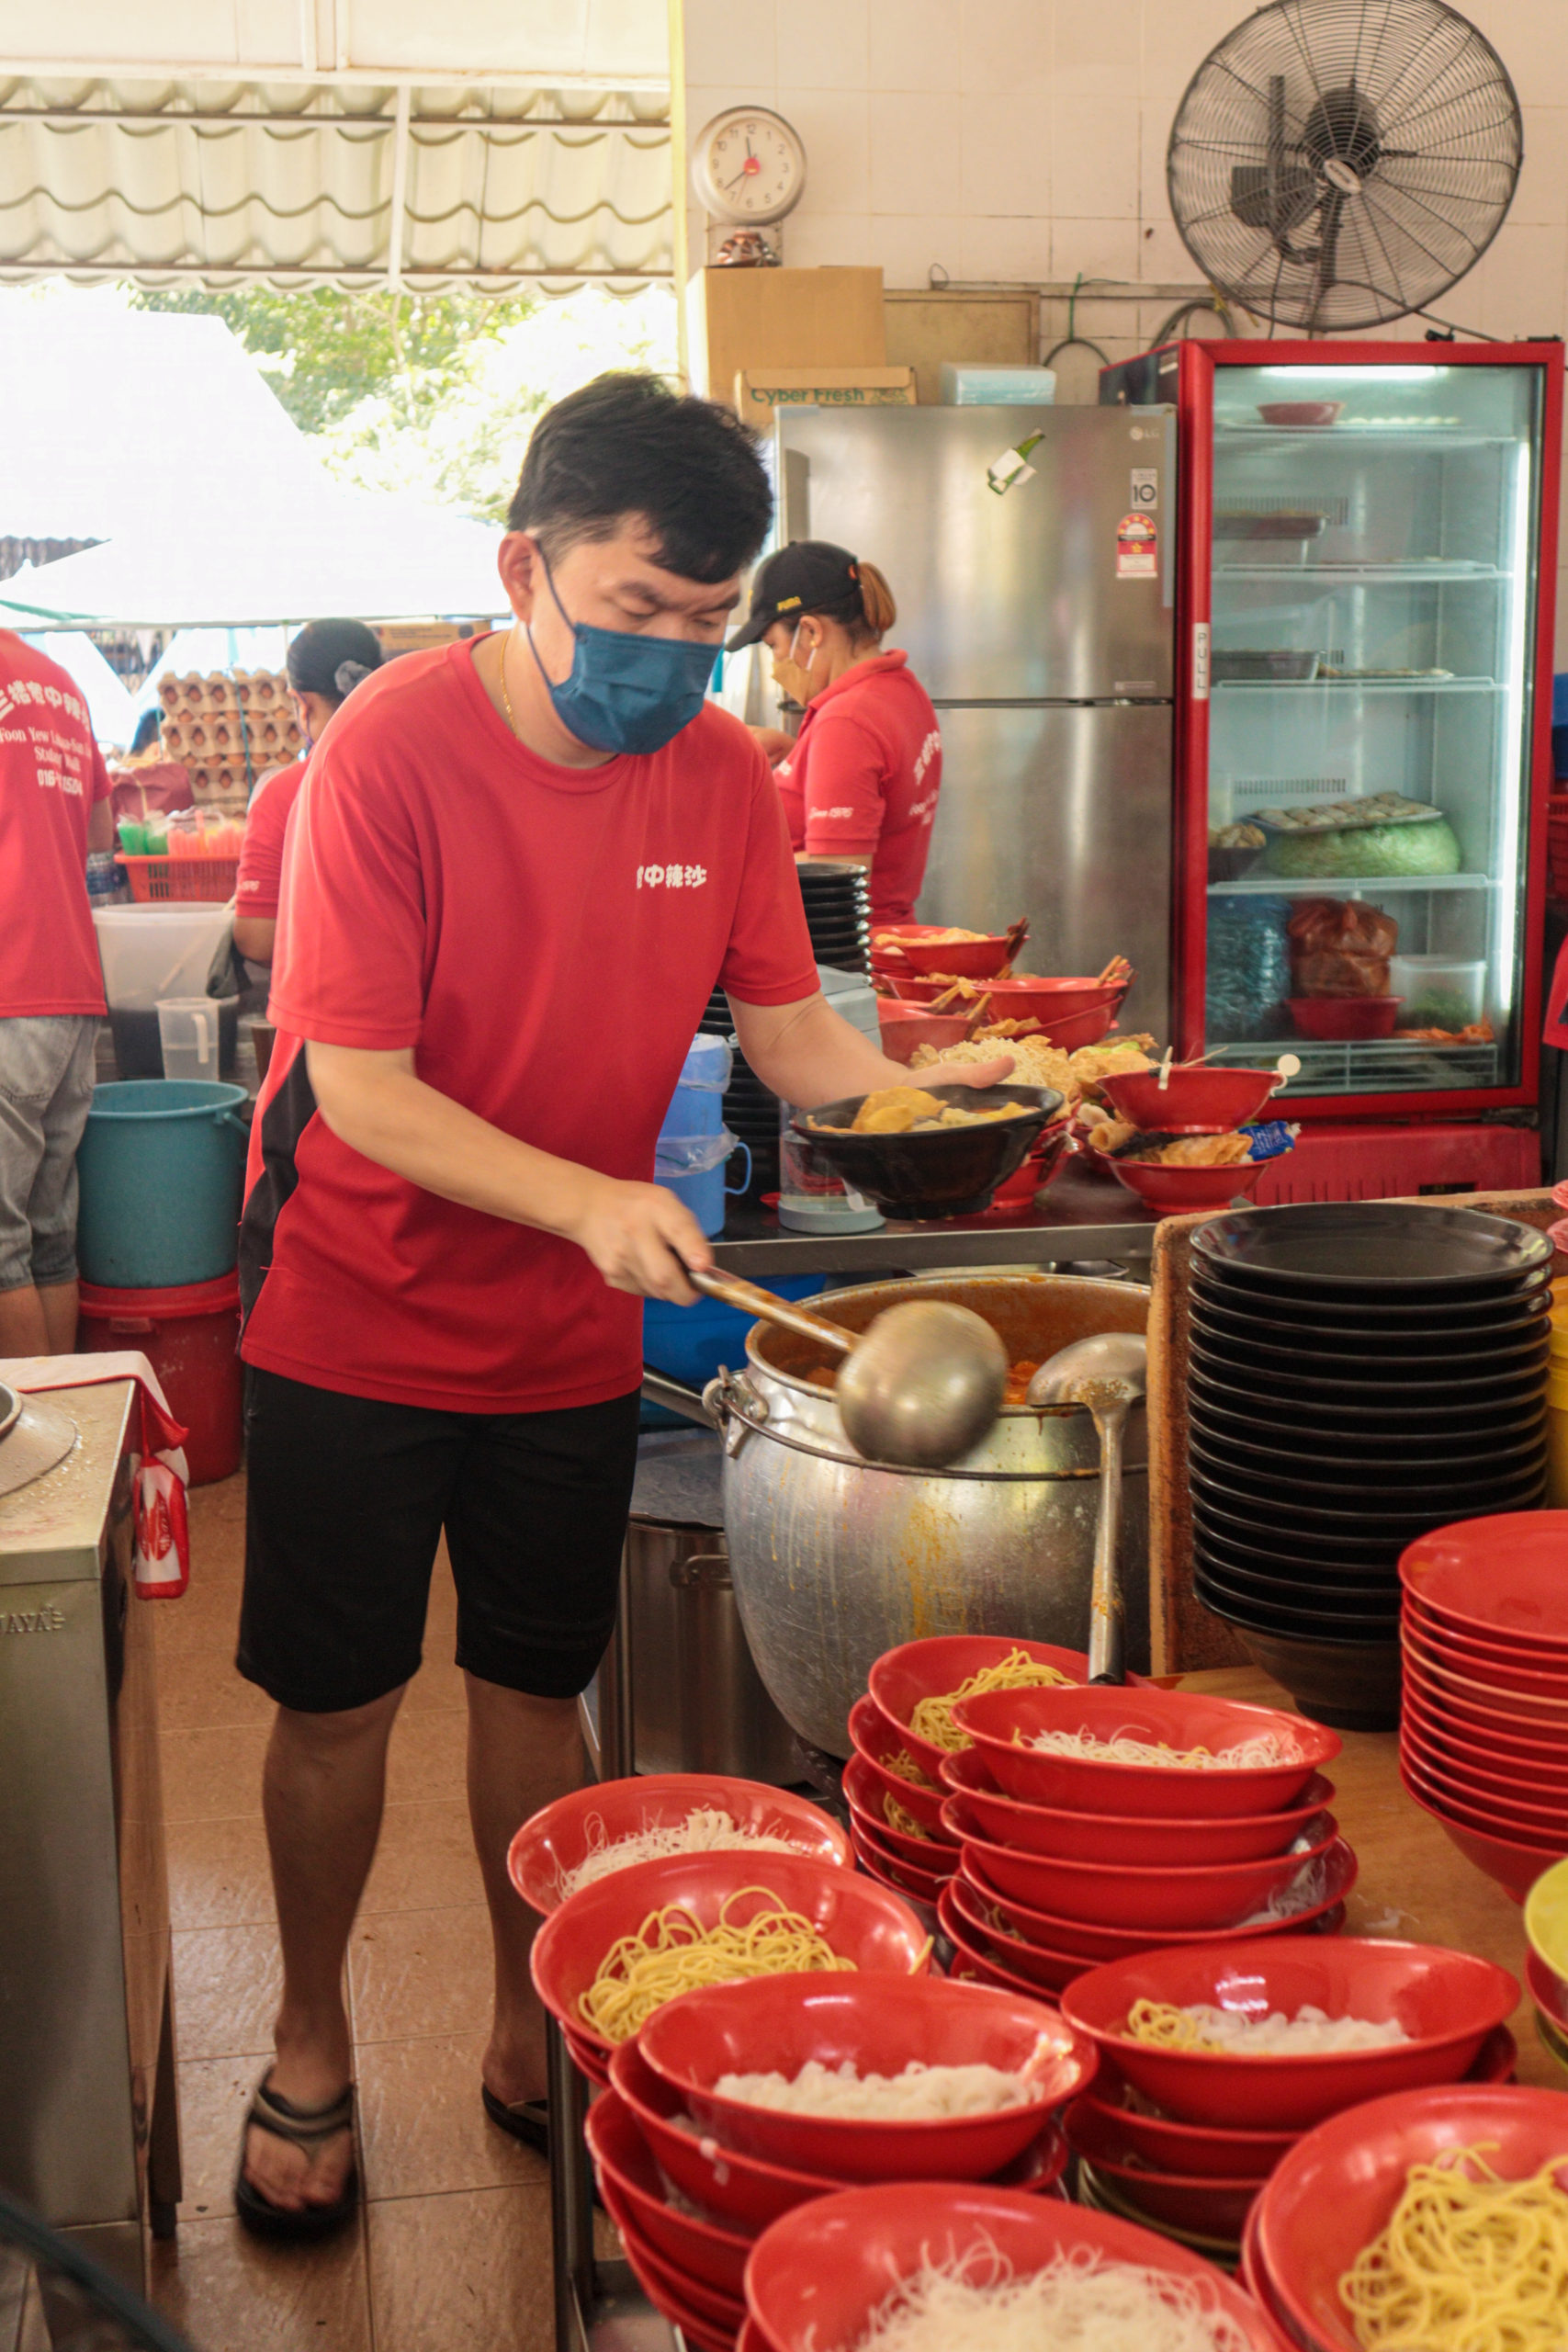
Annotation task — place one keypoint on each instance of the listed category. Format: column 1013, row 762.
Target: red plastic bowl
column 862, row 1923
column 1312, row 413
column 905, row 1028
column 1513, row 1803
column 1498, row 1579
column 1207, row 2204
column 932, row 1668
column 963, row 959
column 556, row 1839
column 1130, row 1839
column 712, row 2320
column 1183, row 1192
column 1198, row 2150
column 779, row 2024
column 1335, row 2192
column 880, row 1863
column 1524, row 1666
column 1050, row 1933
column 1003, row 1958
column 1470, row 1681
column 1192, row 1101
column 1447, row 2001
column 623, row 2158
column 866, row 1788
column 1515, row 1868
column 1499, row 1773
column 1017, row 1191
column 1207, row 1896
column 741, row 2191
column 1181, row 1719
column 874, row 1739
column 1446, row 1697
column 816, row 2278
column 1337, row 1017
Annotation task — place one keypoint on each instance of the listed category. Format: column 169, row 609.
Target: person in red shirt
column 516, row 870
column 861, row 779
column 326, row 662
column 54, row 808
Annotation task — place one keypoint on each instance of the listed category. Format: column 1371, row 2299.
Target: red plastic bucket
column 190, row 1336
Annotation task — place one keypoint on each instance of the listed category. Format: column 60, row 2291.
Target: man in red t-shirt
column 54, row 808
column 514, row 874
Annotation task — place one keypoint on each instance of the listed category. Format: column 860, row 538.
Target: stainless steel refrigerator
column 1040, row 623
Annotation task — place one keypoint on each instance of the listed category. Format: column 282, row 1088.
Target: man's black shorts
column 347, row 1500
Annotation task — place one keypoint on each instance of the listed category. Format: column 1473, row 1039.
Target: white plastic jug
column 188, row 1034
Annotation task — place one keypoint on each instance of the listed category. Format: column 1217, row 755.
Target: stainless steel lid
column 34, row 1437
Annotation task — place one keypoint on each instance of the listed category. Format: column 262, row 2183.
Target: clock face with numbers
column 749, row 166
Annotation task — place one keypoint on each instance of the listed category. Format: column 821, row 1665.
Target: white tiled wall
column 1026, row 139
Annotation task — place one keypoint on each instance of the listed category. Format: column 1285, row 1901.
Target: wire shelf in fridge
column 1368, row 1066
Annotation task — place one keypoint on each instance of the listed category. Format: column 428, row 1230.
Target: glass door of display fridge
column 1362, row 764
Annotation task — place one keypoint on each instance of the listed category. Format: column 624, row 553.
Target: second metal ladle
column 1108, row 1373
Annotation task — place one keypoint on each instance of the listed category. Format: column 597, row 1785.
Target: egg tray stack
column 227, row 729
column 1360, row 1373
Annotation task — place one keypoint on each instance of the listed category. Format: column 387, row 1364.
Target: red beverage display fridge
column 1367, row 551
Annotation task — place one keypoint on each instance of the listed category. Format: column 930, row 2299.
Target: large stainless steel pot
column 835, row 1559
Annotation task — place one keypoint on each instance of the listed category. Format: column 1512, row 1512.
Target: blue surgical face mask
column 626, row 692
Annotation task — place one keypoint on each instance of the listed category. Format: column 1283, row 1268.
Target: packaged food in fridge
column 1341, row 947
column 1364, row 852
column 1250, row 970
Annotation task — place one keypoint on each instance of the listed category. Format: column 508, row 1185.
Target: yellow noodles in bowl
column 1467, row 2263
column 932, row 1718
column 673, row 1953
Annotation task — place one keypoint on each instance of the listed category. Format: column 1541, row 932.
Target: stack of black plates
column 751, row 1115
column 1361, row 1371
column 718, row 1020
column 838, row 914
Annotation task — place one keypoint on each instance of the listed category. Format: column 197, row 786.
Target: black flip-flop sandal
column 529, row 2120
column 307, row 2128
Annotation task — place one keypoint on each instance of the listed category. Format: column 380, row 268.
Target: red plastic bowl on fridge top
column 874, row 1739
column 715, row 2255
column 866, row 1788
column 862, row 1922
column 1192, row 1101
column 1183, row 1192
column 1181, row 1720
column 1207, row 1897
column 558, row 1837
column 1347, row 1018
column 936, row 1665
column 777, row 2025
column 1500, row 1580
column 1333, row 1877
column 816, row 2277
column 1145, row 1840
column 1448, row 2002
column 1335, row 2190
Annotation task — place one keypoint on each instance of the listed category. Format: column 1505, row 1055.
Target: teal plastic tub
column 161, row 1168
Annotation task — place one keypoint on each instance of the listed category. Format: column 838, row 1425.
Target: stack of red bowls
column 883, row 1797
column 1179, row 1100
column 1184, row 2140
column 862, row 1923
column 692, row 2177
column 820, row 2277
column 1335, row 2191
column 1069, row 1860
column 1483, row 1728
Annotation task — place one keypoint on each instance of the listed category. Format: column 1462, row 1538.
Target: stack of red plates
column 691, row 2177
column 1069, row 1860
column 1336, row 2189
column 893, row 1782
column 1483, row 1728
column 1184, row 2139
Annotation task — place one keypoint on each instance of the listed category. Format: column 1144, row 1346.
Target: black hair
column 330, row 658
column 626, row 445
column 149, row 730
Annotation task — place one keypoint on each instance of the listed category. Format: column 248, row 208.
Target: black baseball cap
column 808, row 576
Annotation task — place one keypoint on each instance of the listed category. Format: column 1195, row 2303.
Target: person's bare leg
column 322, row 1787
column 523, row 1753
column 59, row 1303
column 23, row 1331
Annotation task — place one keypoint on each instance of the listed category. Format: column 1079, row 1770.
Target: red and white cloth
column 161, row 1557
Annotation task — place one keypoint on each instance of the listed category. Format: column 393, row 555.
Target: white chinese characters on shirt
column 671, row 877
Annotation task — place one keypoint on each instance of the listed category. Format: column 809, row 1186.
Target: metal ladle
column 1109, row 1373
column 923, row 1384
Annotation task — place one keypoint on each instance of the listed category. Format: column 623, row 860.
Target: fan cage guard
column 1338, row 163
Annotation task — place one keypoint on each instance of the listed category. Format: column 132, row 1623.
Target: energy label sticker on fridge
column 1137, row 545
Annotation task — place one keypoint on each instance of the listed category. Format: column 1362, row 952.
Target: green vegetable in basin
column 1364, row 850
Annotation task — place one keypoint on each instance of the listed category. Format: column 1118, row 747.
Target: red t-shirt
column 51, row 776
column 546, row 938
column 863, row 778
column 261, row 856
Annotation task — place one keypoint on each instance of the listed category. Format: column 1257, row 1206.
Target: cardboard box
column 755, row 322
column 923, row 328
column 756, row 396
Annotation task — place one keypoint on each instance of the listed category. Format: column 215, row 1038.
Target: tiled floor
column 452, row 2254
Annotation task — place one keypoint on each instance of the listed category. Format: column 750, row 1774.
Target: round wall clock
column 749, row 166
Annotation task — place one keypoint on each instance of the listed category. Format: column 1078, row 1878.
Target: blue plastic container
column 696, row 1107
column 692, row 1167
column 161, row 1166
column 689, row 1343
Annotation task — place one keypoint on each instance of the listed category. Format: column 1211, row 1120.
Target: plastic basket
column 154, row 880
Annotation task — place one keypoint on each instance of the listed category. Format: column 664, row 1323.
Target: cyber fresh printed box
column 757, row 393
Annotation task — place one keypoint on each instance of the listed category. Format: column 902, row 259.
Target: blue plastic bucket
column 696, row 1107
column 161, row 1166
column 689, row 1343
column 692, row 1167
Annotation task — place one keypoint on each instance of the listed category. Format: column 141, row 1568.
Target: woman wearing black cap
column 861, row 779
column 326, row 662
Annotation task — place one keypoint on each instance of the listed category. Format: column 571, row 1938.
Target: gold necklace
column 507, row 698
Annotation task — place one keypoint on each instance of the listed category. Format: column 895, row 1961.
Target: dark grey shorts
column 45, row 1093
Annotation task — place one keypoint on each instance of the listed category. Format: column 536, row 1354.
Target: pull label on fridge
column 1200, row 660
